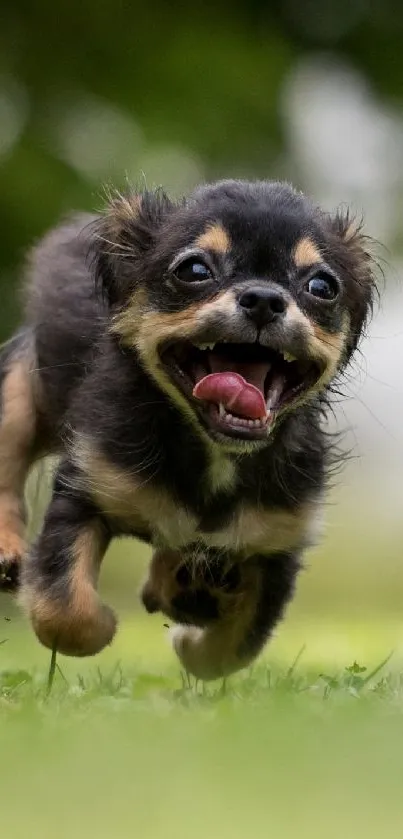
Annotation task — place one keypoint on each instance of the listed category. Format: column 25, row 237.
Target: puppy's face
column 242, row 303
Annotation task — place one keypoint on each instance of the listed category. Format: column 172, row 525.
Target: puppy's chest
column 246, row 529
column 228, row 522
column 236, row 525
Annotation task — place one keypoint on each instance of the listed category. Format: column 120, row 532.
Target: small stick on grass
column 293, row 666
column 60, row 671
column 52, row 671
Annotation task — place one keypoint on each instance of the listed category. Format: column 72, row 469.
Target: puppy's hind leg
column 17, row 436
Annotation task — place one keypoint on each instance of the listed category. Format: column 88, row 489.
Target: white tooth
column 204, row 346
column 288, row 357
column 274, row 394
column 221, row 409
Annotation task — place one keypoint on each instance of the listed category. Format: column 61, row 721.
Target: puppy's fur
column 102, row 373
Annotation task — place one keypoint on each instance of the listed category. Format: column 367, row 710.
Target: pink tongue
column 236, row 394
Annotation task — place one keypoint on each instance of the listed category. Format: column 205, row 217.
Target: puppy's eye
column 193, row 270
column 323, row 286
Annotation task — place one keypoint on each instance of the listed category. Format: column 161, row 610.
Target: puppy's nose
column 263, row 305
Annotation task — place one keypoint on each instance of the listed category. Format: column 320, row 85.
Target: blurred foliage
column 200, row 79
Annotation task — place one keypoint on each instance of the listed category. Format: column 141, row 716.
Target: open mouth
column 240, row 388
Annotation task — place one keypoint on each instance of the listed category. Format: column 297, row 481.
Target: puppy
column 179, row 358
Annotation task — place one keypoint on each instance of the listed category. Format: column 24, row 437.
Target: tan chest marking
column 125, row 499
column 263, row 530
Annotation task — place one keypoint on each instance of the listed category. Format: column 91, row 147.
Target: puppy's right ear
column 123, row 237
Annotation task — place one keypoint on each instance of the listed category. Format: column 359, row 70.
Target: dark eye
column 192, row 270
column 323, row 286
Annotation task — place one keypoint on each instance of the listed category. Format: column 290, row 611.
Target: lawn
column 125, row 746
column 306, row 744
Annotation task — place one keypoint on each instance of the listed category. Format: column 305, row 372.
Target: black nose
column 263, row 305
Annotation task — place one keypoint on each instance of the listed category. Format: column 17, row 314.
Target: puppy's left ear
column 351, row 250
column 123, row 237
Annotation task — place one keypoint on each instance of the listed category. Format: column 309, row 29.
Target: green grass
column 307, row 744
column 125, row 746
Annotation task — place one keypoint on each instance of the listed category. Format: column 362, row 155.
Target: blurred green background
column 95, row 93
column 176, row 93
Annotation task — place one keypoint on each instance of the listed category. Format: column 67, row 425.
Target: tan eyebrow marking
column 306, row 253
column 214, row 238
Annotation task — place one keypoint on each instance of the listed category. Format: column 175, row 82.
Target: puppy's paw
column 195, row 591
column 198, row 653
column 79, row 627
column 12, row 550
column 185, row 641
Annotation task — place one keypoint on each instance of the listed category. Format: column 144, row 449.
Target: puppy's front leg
column 237, row 637
column 60, row 575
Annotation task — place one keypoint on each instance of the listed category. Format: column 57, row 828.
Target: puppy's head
column 242, row 302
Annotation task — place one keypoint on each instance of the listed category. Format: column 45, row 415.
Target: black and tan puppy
column 179, row 357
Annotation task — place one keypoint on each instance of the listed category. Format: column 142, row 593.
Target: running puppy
column 179, row 357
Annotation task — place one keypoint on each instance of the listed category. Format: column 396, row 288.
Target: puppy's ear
column 123, row 237
column 351, row 250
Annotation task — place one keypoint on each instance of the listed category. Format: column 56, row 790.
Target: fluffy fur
column 102, row 373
